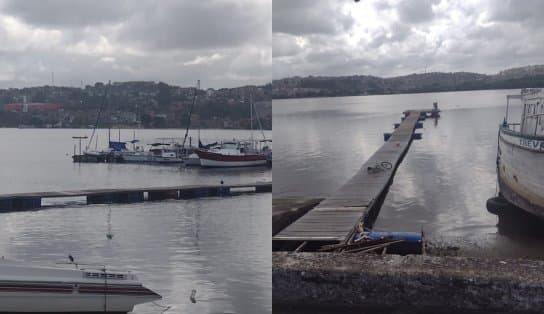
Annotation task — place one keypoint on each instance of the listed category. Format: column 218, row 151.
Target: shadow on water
column 519, row 225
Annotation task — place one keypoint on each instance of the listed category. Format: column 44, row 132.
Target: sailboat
column 99, row 155
column 234, row 153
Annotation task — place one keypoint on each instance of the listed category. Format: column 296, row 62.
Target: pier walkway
column 334, row 219
column 27, row 201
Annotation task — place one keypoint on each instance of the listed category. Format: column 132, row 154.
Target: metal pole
column 507, row 105
column 251, row 116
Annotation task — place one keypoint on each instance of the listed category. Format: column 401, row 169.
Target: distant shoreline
column 406, row 93
column 126, row 128
column 362, row 85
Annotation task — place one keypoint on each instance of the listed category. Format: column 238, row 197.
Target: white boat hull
column 27, row 288
column 521, row 170
column 136, row 158
column 217, row 163
column 68, row 303
column 167, row 160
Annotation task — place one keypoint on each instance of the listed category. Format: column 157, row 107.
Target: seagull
column 193, row 296
column 71, row 258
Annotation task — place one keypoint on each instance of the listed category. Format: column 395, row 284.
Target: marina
column 188, row 239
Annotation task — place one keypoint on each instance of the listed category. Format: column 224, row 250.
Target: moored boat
column 28, row 288
column 231, row 154
column 520, row 156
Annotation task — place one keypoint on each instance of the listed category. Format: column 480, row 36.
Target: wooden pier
column 29, row 201
column 334, row 219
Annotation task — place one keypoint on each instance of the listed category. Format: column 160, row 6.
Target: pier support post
column 105, row 198
column 116, row 197
column 203, row 192
column 263, row 188
column 24, row 203
column 162, row 195
column 386, row 136
column 134, row 197
column 6, row 205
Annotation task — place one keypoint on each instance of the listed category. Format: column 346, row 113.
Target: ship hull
column 521, row 170
column 63, row 298
column 210, row 159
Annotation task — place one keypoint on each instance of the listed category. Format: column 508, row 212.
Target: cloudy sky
column 396, row 37
column 224, row 43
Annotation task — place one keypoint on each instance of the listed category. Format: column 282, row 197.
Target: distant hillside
column 327, row 86
column 134, row 104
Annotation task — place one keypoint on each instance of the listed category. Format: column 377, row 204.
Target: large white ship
column 520, row 156
column 70, row 289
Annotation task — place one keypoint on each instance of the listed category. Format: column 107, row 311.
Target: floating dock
column 334, row 219
column 29, row 201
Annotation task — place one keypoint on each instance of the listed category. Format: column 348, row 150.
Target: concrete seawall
column 422, row 282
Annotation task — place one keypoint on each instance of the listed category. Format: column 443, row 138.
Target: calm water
column 218, row 246
column 40, row 160
column 441, row 186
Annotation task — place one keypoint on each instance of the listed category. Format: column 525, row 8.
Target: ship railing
column 512, row 126
column 87, row 267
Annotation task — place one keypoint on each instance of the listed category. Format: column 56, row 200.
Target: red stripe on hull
column 220, row 157
column 81, row 288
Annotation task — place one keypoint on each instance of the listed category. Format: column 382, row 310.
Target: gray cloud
column 67, row 14
column 388, row 38
column 416, row 11
column 224, row 43
column 309, row 17
column 198, row 25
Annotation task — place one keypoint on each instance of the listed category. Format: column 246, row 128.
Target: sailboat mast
column 198, row 86
column 251, row 116
column 190, row 113
column 98, row 115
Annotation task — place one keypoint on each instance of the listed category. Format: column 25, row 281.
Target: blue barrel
column 412, row 242
column 405, row 236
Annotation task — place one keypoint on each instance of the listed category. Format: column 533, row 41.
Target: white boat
column 231, row 154
column 520, row 156
column 28, row 288
column 136, row 156
column 192, row 160
column 164, row 153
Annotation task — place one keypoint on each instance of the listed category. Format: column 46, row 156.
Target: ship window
column 105, row 275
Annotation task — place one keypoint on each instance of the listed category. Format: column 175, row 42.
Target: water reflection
column 218, row 246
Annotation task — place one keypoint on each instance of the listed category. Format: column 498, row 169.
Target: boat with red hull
column 231, row 154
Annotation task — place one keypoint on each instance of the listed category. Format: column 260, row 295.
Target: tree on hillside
column 164, row 97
